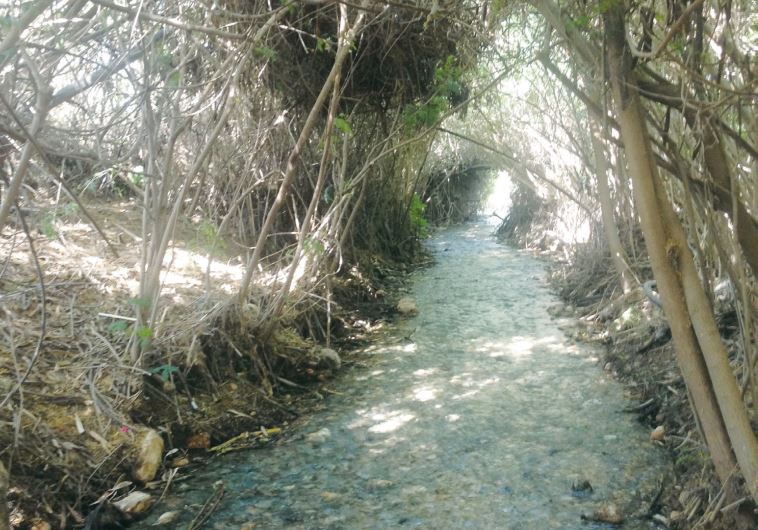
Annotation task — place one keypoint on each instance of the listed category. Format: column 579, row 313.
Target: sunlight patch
column 391, row 424
column 424, row 394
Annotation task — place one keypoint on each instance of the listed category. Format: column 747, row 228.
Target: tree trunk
column 618, row 255
column 4, row 484
column 700, row 352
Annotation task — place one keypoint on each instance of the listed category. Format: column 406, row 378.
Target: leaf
column 266, row 52
column 174, row 79
column 322, row 45
column 164, row 370
column 342, row 124
column 118, row 326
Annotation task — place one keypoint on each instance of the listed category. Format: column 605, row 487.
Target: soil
column 72, row 430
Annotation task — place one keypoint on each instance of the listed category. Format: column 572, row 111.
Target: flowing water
column 478, row 413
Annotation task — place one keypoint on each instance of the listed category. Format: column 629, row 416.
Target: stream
column 477, row 413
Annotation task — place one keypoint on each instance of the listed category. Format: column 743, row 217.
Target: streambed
column 477, row 413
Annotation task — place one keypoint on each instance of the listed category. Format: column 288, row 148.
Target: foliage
column 419, row 224
column 448, row 89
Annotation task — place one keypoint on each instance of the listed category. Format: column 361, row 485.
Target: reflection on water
column 483, row 419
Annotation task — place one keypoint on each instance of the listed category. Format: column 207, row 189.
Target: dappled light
column 486, row 417
column 417, row 252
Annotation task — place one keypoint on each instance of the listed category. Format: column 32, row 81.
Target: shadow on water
column 483, row 418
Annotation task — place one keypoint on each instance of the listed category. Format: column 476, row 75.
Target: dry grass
column 69, row 431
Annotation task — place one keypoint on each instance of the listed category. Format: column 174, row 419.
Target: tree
column 700, row 350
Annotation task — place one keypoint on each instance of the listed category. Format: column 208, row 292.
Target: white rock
column 167, row 518
column 328, row 358
column 134, row 503
column 407, row 306
column 150, row 457
column 319, row 436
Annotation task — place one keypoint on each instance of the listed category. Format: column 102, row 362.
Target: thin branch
column 43, row 309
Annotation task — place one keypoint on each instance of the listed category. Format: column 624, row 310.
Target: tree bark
column 702, row 123
column 14, row 187
column 4, row 484
column 700, row 352
column 618, row 255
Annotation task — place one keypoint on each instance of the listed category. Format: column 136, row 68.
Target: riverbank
column 633, row 333
column 78, row 433
column 475, row 413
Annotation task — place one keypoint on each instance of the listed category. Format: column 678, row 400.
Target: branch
column 16, row 29
column 43, row 311
column 141, row 14
column 68, row 92
column 28, row 136
column 537, row 174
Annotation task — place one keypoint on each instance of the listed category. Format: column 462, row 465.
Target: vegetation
column 194, row 194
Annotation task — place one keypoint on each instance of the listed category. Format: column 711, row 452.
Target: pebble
column 134, row 503
column 658, row 434
column 330, row 496
column 608, row 513
column 328, row 358
column 378, row 484
column 407, row 306
column 167, row 518
column 150, row 456
column 318, row 437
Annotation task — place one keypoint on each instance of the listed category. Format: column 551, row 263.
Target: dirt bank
column 635, row 339
column 74, row 433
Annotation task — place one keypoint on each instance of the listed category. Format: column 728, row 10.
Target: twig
column 208, row 508
column 43, row 303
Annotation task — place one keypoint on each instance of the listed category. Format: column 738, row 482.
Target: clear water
column 482, row 418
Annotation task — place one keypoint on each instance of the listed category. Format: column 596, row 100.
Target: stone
column 378, row 484
column 581, row 489
column 328, row 358
column 658, row 434
column 150, row 456
column 135, row 503
column 319, row 436
column 330, row 496
column 608, row 513
column 167, row 518
column 407, row 306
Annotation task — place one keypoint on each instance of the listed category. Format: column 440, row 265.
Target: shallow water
column 478, row 413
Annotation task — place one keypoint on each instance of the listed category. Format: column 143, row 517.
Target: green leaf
column 174, row 79
column 342, row 124
column 266, row 52
column 144, row 333
column 322, row 45
column 47, row 226
column 118, row 326
column 164, row 370
column 313, row 246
